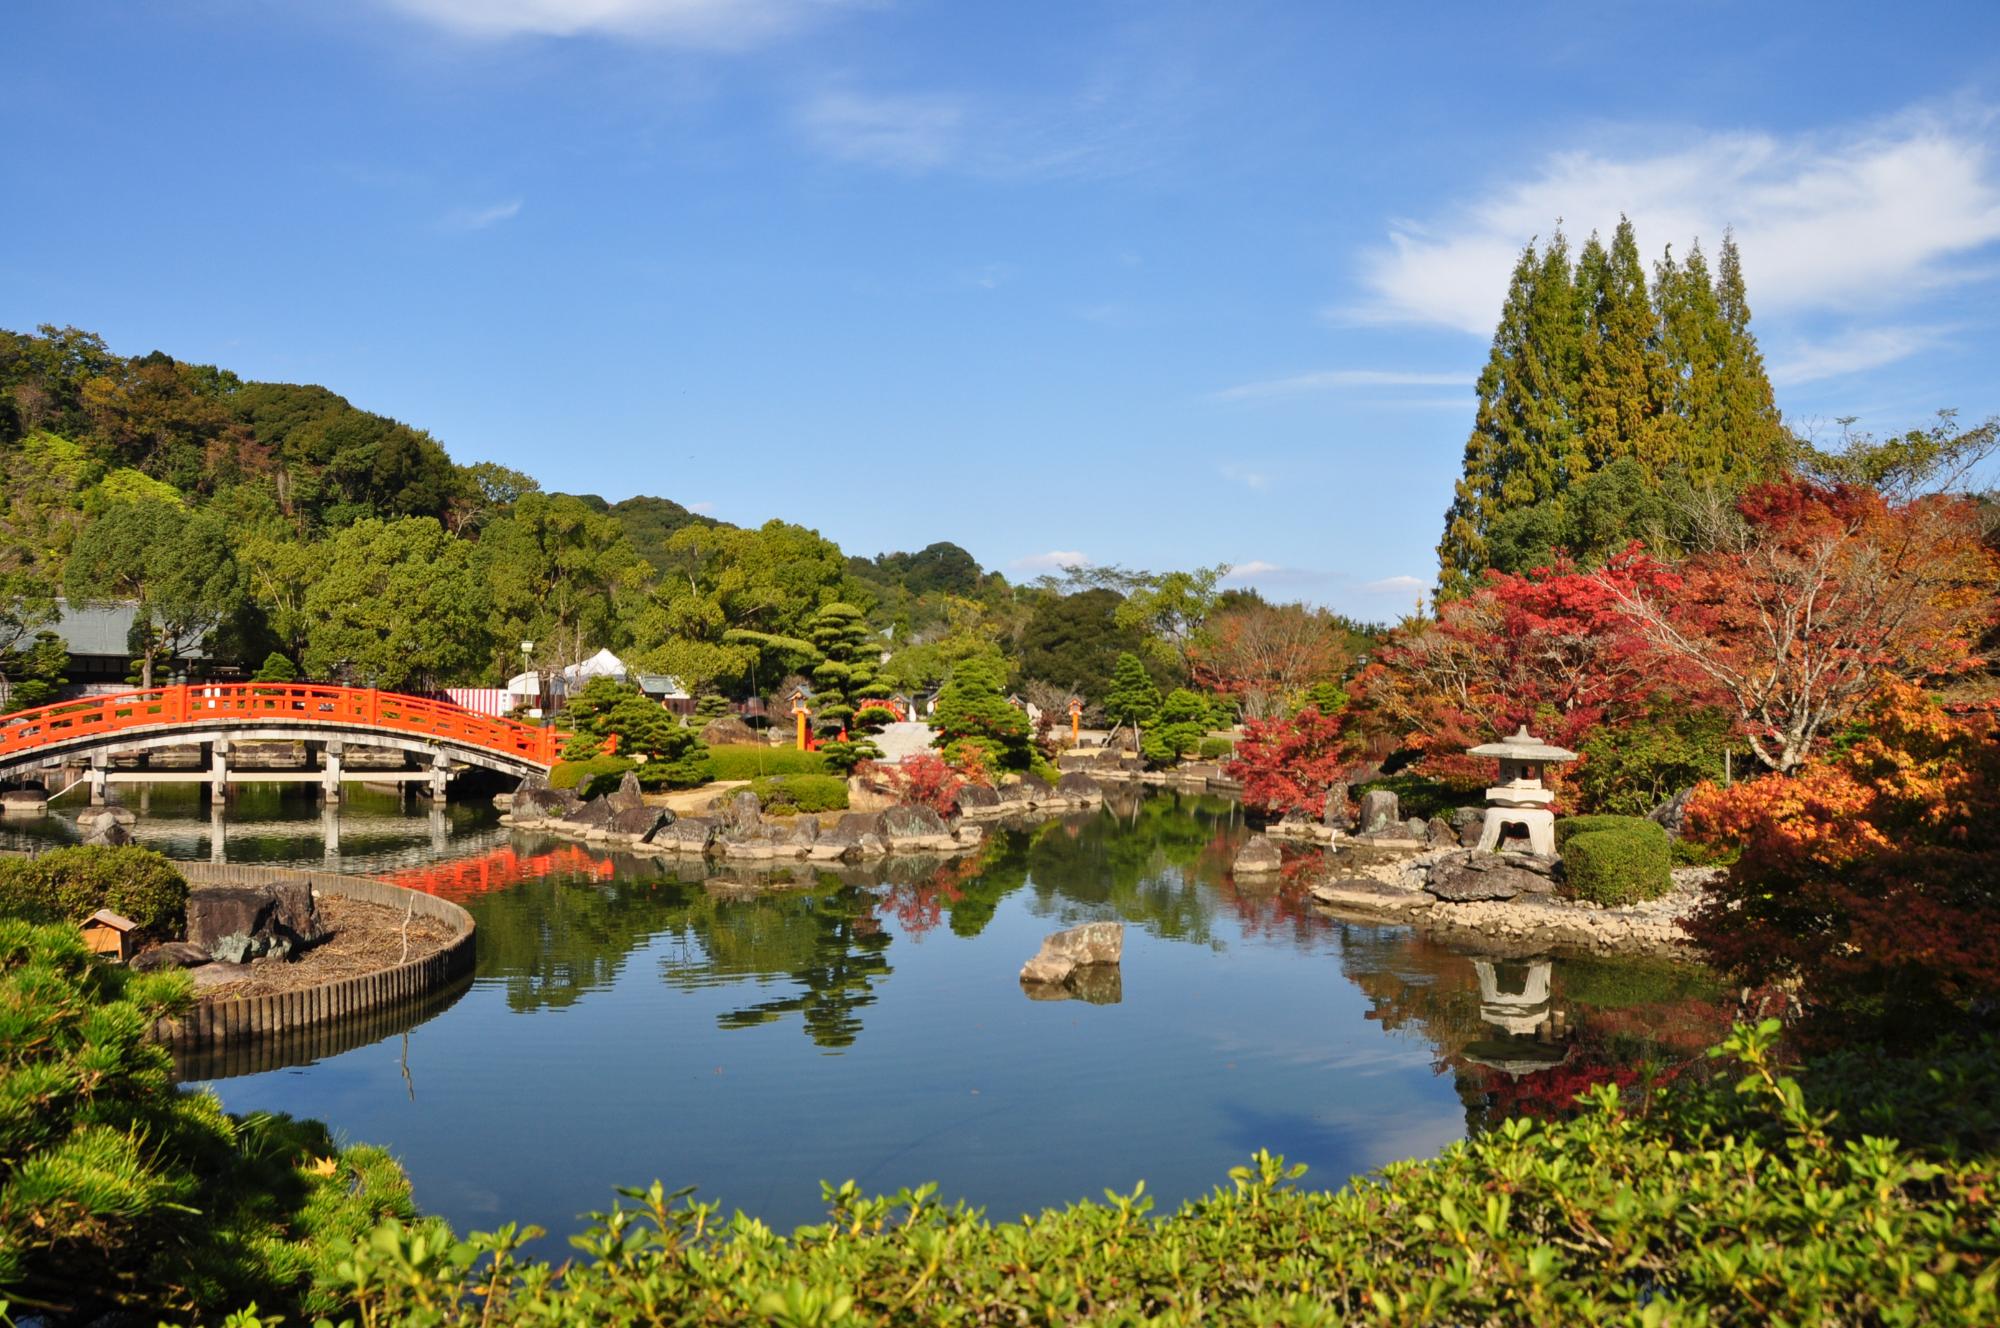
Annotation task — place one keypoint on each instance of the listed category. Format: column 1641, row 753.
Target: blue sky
column 1134, row 281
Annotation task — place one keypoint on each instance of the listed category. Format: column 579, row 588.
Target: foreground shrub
column 1570, row 826
column 1619, row 865
column 1870, row 876
column 119, row 1192
column 1216, row 749
column 784, row 795
column 1700, row 1203
column 920, row 780
column 70, row 884
column 744, row 761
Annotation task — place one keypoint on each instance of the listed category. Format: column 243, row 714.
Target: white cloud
column 1052, row 561
column 1255, row 567
column 1823, row 220
column 1323, row 380
column 720, row 24
column 1245, row 476
column 1850, row 352
column 905, row 133
column 1397, row 585
column 702, row 509
column 478, row 219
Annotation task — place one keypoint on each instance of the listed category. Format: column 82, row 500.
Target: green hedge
column 783, row 795
column 1215, row 749
column 598, row 775
column 1711, row 1204
column 1615, row 860
column 126, row 1200
column 745, row 761
column 70, row 884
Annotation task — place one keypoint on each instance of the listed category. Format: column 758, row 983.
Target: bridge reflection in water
column 467, row 878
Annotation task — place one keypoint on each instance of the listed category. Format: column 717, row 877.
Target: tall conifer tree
column 1747, row 413
column 1621, row 365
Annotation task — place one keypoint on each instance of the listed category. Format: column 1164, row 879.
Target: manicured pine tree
column 841, row 635
column 1134, row 698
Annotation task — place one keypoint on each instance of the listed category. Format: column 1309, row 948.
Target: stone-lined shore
column 736, row 828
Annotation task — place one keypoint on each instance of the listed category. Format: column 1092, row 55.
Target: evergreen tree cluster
column 1591, row 366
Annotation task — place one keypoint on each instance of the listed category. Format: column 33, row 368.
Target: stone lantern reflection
column 1520, row 800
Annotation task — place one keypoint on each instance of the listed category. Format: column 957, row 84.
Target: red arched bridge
column 89, row 731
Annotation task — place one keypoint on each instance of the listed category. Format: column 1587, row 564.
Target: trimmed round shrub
column 1215, row 749
column 1580, row 825
column 70, row 884
column 1618, row 865
column 783, row 795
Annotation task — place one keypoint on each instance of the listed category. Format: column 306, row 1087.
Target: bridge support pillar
column 440, row 777
column 329, row 779
column 100, row 778
column 218, row 770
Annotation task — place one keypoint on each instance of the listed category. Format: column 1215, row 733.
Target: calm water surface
column 631, row 1021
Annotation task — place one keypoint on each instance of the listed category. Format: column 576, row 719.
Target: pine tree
column 1497, row 434
column 1134, row 698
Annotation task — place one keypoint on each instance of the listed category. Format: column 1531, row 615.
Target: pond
column 630, row 1020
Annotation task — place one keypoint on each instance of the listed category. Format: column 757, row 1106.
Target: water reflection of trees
column 1151, row 861
column 1524, row 1036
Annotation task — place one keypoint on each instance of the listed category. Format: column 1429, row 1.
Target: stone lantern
column 1520, row 798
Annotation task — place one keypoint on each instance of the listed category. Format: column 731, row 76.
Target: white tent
column 603, row 664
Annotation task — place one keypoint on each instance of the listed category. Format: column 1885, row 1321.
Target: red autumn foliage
column 1808, row 594
column 1550, row 649
column 1871, row 876
column 923, row 780
column 1286, row 764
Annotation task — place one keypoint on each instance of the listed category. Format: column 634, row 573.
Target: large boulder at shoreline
column 978, row 800
column 1258, row 857
column 729, row 731
column 1064, row 952
column 858, row 824
column 1365, row 894
column 542, row 803
column 1468, row 877
column 1380, row 811
column 272, row 918
column 589, row 815
column 684, row 834
column 1079, row 787
column 1335, row 816
column 914, row 827
column 627, row 795
column 107, row 834
column 90, row 818
column 636, row 824
column 741, row 812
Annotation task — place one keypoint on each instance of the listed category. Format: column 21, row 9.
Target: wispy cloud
column 1052, row 561
column 1824, row 221
column 1327, row 380
column 1851, row 352
column 1397, row 585
column 715, row 24
column 897, row 132
column 1255, row 567
column 702, row 509
column 1244, row 475
column 479, row 218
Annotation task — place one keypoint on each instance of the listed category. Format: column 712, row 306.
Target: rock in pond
column 1064, row 952
column 1365, row 894
column 1258, row 857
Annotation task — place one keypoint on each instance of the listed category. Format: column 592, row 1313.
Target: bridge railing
column 272, row 702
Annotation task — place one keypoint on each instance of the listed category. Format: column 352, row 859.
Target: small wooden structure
column 110, row 934
column 1520, row 798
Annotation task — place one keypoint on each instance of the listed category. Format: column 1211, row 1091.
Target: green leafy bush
column 1216, row 749
column 70, row 884
column 1417, row 795
column 1635, row 767
column 1622, row 862
column 123, row 1199
column 744, row 761
column 785, row 794
column 1711, row 1202
column 1567, row 826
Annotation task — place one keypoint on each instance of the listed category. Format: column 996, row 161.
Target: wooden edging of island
column 217, row 1020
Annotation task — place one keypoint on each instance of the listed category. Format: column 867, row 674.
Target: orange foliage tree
column 1870, row 876
column 1807, row 595
column 1266, row 655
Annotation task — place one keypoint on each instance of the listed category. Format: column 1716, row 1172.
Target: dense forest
column 273, row 524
